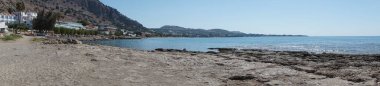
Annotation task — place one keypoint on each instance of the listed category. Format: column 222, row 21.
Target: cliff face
column 92, row 10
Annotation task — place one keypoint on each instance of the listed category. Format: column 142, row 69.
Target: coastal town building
column 3, row 28
column 25, row 17
column 106, row 29
column 128, row 33
column 7, row 18
column 70, row 25
column 91, row 27
column 18, row 17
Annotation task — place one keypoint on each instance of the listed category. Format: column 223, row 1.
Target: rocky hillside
column 190, row 32
column 74, row 10
column 177, row 31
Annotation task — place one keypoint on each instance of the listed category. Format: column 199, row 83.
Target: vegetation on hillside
column 84, row 22
column 189, row 32
column 93, row 11
column 176, row 31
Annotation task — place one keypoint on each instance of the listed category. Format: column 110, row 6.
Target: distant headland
column 177, row 31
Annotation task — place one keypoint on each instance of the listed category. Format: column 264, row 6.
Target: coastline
column 98, row 65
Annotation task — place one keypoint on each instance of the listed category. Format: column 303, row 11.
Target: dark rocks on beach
column 304, row 68
column 94, row 60
column 63, row 41
column 225, row 50
column 344, row 66
column 89, row 55
column 211, row 52
column 170, row 50
column 246, row 77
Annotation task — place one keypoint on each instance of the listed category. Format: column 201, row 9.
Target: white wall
column 2, row 25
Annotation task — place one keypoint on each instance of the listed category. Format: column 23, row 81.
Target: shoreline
column 99, row 65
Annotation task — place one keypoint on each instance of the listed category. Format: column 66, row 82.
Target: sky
column 301, row 17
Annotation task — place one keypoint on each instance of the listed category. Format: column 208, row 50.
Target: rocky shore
column 364, row 69
column 38, row 64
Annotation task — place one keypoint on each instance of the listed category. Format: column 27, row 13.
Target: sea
column 316, row 44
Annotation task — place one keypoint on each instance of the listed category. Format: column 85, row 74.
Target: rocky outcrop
column 62, row 41
column 342, row 68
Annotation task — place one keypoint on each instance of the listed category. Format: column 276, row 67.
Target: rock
column 169, row 50
column 76, row 42
column 304, row 68
column 225, row 50
column 211, row 52
column 63, row 41
column 277, row 83
column 246, row 77
column 193, row 54
column 263, row 79
column 220, row 64
column 160, row 49
column 94, row 60
column 89, row 55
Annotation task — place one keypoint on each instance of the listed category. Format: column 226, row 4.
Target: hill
column 74, row 10
column 177, row 31
column 189, row 32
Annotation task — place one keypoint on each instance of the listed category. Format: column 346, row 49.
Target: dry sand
column 23, row 63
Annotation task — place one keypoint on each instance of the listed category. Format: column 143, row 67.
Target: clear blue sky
column 307, row 17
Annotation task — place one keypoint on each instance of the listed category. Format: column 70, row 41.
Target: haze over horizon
column 304, row 17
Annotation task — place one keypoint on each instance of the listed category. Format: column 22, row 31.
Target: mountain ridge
column 178, row 31
column 74, row 10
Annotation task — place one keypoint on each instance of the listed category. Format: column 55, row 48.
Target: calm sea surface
column 347, row 45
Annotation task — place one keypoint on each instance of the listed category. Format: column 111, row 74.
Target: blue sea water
column 317, row 44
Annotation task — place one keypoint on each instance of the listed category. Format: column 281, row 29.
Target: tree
column 45, row 21
column 84, row 22
column 18, row 27
column 118, row 33
column 60, row 16
column 10, row 10
column 20, row 6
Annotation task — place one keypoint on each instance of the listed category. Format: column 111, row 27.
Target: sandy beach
column 25, row 63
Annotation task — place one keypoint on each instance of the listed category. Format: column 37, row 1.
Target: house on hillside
column 70, row 25
column 91, row 27
column 128, row 33
column 107, row 30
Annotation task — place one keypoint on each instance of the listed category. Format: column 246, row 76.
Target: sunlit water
column 347, row 45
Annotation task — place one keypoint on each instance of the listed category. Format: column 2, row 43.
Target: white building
column 7, row 18
column 106, row 29
column 70, row 25
column 25, row 17
column 3, row 25
column 3, row 28
column 18, row 17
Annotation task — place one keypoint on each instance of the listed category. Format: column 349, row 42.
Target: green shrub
column 39, row 39
column 11, row 37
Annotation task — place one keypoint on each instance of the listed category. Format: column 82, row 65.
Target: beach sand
column 24, row 63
